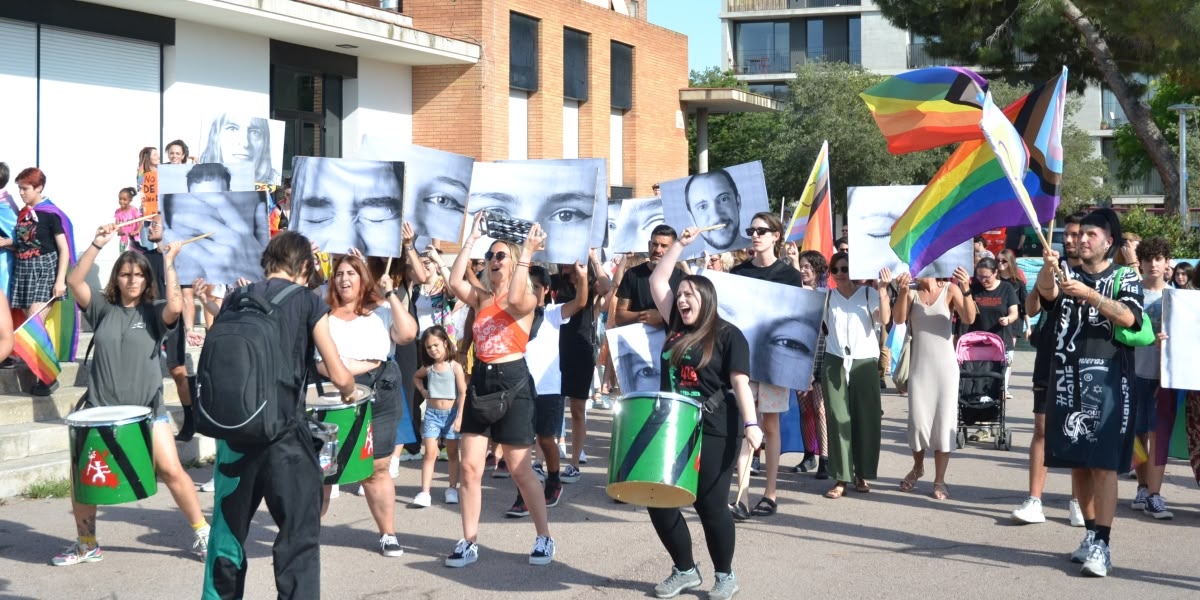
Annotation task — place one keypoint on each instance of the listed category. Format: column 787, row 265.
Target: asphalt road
column 885, row 544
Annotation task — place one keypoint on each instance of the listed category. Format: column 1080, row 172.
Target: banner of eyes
column 871, row 212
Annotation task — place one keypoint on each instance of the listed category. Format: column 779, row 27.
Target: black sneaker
column 553, row 494
column 518, row 509
column 40, row 389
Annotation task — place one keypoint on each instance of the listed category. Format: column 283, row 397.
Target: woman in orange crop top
column 504, row 307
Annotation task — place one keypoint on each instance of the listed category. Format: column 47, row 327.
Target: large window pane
column 622, row 76
column 762, row 47
column 855, row 41
column 575, row 65
column 522, row 52
column 816, row 39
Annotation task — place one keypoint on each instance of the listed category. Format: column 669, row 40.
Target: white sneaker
column 394, row 467
column 390, row 546
column 1030, row 512
column 451, row 495
column 1098, row 561
column 200, row 542
column 1075, row 512
column 464, row 554
column 582, row 457
column 208, row 486
column 423, row 499
column 1085, row 547
column 335, row 492
column 543, row 551
column 405, row 456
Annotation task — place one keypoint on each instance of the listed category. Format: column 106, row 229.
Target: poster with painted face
column 238, row 137
column 600, row 208
column 871, row 213
column 560, row 198
column 629, row 230
column 1180, row 313
column 238, row 222
column 205, row 177
column 341, row 204
column 435, row 186
column 636, row 353
column 727, row 197
column 781, row 323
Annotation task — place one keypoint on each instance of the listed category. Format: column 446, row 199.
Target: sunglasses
column 836, row 270
column 1004, row 262
column 753, row 231
column 713, row 259
column 500, row 256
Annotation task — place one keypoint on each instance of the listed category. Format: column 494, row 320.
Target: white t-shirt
column 541, row 353
column 364, row 338
column 851, row 324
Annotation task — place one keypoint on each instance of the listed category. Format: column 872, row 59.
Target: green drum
column 655, row 458
column 355, row 449
column 112, row 455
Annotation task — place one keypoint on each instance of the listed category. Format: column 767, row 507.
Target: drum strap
column 681, row 461
column 347, row 449
column 118, row 454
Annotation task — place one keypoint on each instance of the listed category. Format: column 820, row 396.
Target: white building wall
column 378, row 103
column 18, row 80
column 884, row 47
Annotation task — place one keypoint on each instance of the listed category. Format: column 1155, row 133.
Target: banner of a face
column 781, row 323
column 1180, row 313
column 237, row 137
column 205, row 177
column 636, row 352
column 600, row 208
column 871, row 213
column 435, row 186
column 729, row 197
column 238, row 222
column 629, row 230
column 340, row 204
column 560, row 198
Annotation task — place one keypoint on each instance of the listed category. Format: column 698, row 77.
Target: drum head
column 653, row 495
column 333, row 399
column 107, row 415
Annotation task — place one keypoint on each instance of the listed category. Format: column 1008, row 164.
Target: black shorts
column 385, row 381
column 576, row 368
column 1040, row 397
column 175, row 346
column 548, row 415
column 515, row 428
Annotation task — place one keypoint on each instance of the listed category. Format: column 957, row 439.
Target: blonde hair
column 514, row 253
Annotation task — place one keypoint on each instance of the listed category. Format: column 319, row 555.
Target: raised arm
column 660, row 279
column 419, row 274
column 404, row 326
column 520, row 299
column 903, row 300
column 961, row 300
column 603, row 283
column 1047, row 285
column 885, row 302
column 463, row 289
column 174, row 306
column 580, row 300
column 77, row 279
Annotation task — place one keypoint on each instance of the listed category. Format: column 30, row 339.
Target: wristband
column 97, row 247
column 968, row 293
column 389, row 293
column 750, row 424
column 523, row 264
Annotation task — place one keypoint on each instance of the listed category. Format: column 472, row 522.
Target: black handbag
column 489, row 408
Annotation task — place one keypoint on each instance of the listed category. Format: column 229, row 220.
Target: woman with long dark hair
column 814, row 275
column 577, row 346
column 707, row 359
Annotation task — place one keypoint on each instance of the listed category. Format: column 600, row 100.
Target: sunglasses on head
column 753, row 231
column 500, row 256
column 836, row 270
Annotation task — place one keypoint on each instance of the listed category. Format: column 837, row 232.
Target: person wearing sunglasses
column 504, row 305
column 1014, row 276
column 998, row 302
column 849, row 376
column 766, row 240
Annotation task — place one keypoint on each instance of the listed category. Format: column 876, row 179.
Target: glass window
column 575, row 65
column 855, row 41
column 522, row 52
column 622, row 76
column 816, row 39
column 778, row 91
column 762, row 47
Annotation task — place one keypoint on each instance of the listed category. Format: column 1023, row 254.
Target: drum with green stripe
column 655, row 458
column 112, row 455
column 355, row 448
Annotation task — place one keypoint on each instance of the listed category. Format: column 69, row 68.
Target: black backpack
column 246, row 390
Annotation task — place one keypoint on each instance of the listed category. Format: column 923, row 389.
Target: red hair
column 32, row 176
column 367, row 295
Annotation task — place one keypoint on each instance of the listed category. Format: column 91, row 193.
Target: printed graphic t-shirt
column 730, row 354
column 994, row 304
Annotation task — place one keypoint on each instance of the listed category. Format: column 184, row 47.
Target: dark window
column 575, row 65
column 522, row 52
column 622, row 76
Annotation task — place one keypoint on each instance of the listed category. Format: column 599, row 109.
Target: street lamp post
column 1183, row 110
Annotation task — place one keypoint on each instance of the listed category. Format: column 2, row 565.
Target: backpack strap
column 285, row 293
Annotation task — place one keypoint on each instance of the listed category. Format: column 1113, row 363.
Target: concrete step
column 23, row 409
column 31, row 439
column 17, row 475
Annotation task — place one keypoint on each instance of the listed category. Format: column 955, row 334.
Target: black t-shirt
column 1043, row 341
column 778, row 272
column 731, row 353
column 992, row 305
column 580, row 331
column 635, row 287
column 34, row 235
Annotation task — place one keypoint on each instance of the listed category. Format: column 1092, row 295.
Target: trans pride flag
column 927, row 108
column 811, row 223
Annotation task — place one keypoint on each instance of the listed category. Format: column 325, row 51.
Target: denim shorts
column 161, row 419
column 439, row 423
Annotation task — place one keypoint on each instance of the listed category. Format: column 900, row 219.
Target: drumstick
column 744, row 472
column 711, row 227
column 120, row 225
column 197, row 238
column 388, row 267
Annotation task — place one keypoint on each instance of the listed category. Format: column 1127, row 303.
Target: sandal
column 940, row 491
column 765, row 507
column 861, row 486
column 740, row 512
column 909, row 483
column 837, row 491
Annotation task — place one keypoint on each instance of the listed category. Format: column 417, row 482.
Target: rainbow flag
column 971, row 194
column 31, row 342
column 927, row 108
column 816, row 192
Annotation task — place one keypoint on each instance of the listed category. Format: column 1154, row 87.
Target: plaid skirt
column 33, row 280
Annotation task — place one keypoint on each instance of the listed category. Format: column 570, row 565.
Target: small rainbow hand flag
column 32, row 343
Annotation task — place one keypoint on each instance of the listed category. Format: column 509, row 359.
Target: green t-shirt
column 125, row 368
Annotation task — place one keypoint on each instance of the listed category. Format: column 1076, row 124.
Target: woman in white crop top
column 364, row 344
column 849, row 376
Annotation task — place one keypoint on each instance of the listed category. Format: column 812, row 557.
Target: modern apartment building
column 763, row 41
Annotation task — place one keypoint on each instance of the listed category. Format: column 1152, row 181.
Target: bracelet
column 97, row 247
column 750, row 424
column 389, row 294
column 523, row 264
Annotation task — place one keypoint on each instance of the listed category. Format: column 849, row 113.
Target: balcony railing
column 785, row 62
column 919, row 57
column 756, row 5
column 763, row 64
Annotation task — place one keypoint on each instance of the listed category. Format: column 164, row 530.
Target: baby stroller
column 981, row 393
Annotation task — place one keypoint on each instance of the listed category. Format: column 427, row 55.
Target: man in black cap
column 1089, row 425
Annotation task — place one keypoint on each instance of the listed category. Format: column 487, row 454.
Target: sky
column 696, row 19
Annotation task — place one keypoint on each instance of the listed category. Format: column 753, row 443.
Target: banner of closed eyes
column 233, row 137
column 781, row 323
column 871, row 213
column 629, row 230
column 340, row 203
column 728, row 197
column 435, row 186
column 559, row 197
column 238, row 222
column 1181, row 312
column 205, row 177
column 600, row 207
column 636, row 351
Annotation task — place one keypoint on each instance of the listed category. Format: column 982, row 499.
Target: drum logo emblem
column 98, row 473
column 368, row 450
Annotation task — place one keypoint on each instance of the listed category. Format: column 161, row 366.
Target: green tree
column 1184, row 244
column 1133, row 162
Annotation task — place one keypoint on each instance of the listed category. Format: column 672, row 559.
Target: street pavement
column 885, row 544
